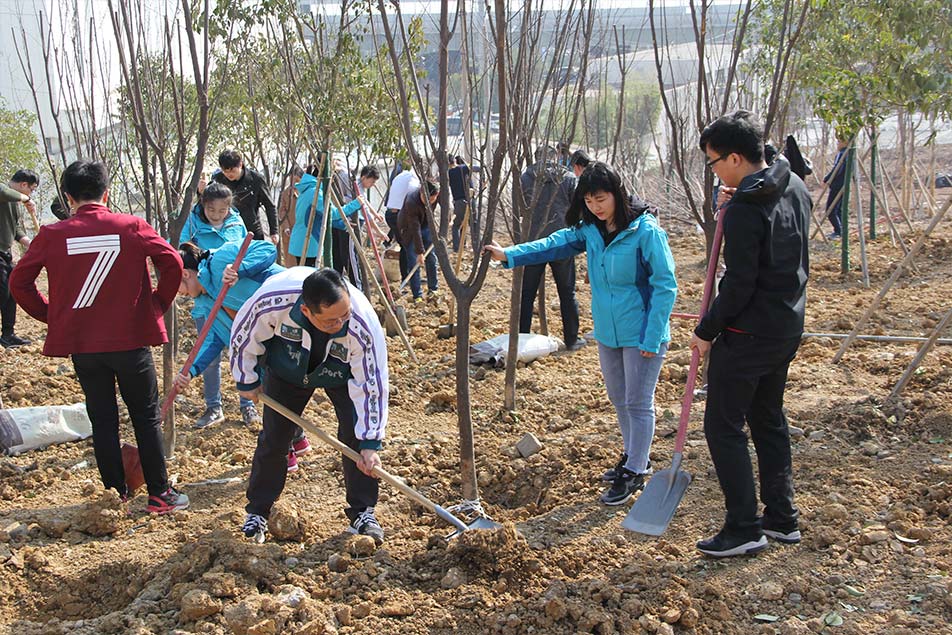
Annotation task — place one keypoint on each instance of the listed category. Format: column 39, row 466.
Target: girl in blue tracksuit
column 631, row 272
column 212, row 223
column 302, row 212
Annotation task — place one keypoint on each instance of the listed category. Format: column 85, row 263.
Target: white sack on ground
column 25, row 429
column 531, row 348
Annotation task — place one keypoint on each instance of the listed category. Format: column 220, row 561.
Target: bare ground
column 874, row 486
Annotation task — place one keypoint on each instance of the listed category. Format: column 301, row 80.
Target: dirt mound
column 102, row 516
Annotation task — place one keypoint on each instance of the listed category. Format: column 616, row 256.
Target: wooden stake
column 366, row 264
column 920, row 355
column 864, row 264
column 892, row 280
column 310, row 220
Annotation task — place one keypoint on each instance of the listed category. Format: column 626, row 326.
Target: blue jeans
column 211, row 378
column 430, row 263
column 630, row 380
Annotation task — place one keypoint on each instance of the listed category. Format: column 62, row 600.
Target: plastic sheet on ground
column 25, row 429
column 531, row 348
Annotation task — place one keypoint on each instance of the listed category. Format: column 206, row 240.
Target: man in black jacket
column 250, row 193
column 547, row 188
column 756, row 322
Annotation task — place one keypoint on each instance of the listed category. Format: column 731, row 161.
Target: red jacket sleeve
column 23, row 279
column 168, row 265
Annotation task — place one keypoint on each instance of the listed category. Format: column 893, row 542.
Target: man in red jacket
column 105, row 314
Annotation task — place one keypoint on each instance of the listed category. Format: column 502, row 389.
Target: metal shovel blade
column 655, row 507
column 479, row 523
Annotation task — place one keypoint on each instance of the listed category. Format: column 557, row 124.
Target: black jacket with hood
column 547, row 188
column 766, row 251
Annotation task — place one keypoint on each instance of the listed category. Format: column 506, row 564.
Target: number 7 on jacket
column 107, row 248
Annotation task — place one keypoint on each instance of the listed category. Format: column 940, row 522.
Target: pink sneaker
column 302, row 446
column 292, row 462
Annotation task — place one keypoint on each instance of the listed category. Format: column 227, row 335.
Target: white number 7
column 107, row 246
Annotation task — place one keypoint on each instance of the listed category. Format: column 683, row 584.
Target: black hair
column 459, row 160
column 323, row 288
column 370, row 172
column 215, row 191
column 56, row 207
column 85, row 180
column 25, row 176
column 581, row 159
column 739, row 132
column 429, row 188
column 229, row 158
column 545, row 153
column 600, row 177
column 312, row 169
column 191, row 255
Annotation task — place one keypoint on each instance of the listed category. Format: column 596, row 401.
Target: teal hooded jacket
column 632, row 278
column 302, row 212
column 257, row 266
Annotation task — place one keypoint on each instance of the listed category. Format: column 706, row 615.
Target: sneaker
column 433, row 295
column 301, row 446
column 366, row 524
column 12, row 341
column 833, row 236
column 623, row 487
column 212, row 414
column 577, row 344
column 418, row 299
column 786, row 535
column 724, row 545
column 292, row 462
column 250, row 416
column 255, row 527
column 612, row 473
column 167, row 502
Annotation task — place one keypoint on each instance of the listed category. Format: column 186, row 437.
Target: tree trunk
column 543, row 319
column 467, row 451
column 515, row 302
column 168, row 375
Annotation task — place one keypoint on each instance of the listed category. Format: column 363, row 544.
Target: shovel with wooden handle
column 654, row 509
column 396, row 483
column 130, row 453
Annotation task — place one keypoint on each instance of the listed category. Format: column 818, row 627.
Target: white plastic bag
column 25, row 429
column 531, row 348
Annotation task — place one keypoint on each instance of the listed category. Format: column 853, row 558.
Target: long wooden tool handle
column 379, row 472
column 415, row 267
column 688, row 397
column 373, row 243
column 208, row 324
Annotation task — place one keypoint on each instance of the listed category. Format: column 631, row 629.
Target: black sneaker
column 211, row 415
column 366, row 524
column 789, row 535
column 612, row 473
column 255, row 527
column 576, row 345
column 724, row 545
column 623, row 488
column 12, row 341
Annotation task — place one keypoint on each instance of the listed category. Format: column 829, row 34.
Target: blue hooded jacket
column 302, row 212
column 632, row 278
column 257, row 266
column 198, row 231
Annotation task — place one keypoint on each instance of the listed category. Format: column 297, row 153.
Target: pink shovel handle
column 695, row 356
column 209, row 321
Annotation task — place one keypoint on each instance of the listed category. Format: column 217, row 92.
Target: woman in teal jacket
column 302, row 212
column 631, row 272
column 212, row 223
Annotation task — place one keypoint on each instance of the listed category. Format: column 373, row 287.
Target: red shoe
column 292, row 462
column 169, row 501
column 301, row 446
